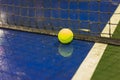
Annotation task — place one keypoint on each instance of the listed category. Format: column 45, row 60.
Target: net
column 86, row 18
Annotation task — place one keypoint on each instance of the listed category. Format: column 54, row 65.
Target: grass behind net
column 109, row 68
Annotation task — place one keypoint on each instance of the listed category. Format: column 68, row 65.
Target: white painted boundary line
column 114, row 20
column 88, row 66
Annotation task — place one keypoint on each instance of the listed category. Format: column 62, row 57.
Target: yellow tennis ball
column 65, row 35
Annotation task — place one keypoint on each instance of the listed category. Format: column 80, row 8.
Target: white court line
column 88, row 66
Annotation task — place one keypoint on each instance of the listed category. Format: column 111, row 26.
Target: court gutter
column 88, row 66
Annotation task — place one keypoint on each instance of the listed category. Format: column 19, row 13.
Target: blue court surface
column 30, row 56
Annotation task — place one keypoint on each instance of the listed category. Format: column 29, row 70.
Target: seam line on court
column 88, row 66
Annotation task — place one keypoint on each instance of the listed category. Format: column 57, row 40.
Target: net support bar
column 54, row 33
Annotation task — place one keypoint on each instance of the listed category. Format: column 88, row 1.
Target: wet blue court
column 30, row 56
column 38, row 57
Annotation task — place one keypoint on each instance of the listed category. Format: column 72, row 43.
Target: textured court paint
column 28, row 56
column 89, row 65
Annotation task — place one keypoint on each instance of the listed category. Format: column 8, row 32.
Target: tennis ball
column 65, row 35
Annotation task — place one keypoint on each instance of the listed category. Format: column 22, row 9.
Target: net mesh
column 86, row 18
